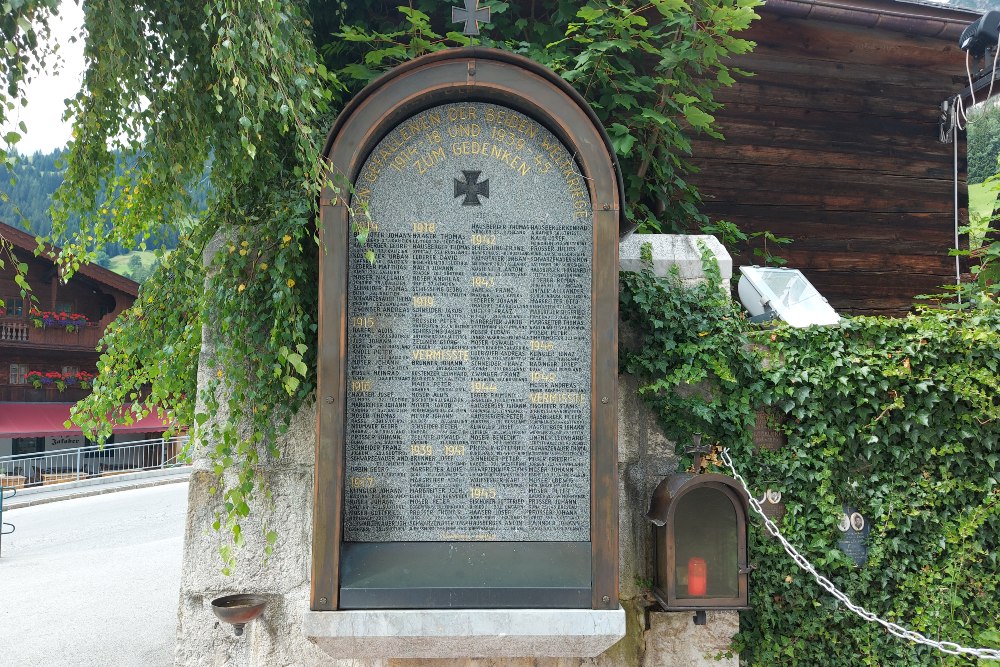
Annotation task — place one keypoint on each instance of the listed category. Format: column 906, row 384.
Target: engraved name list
column 469, row 337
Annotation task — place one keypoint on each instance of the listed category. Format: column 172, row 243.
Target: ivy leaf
column 589, row 13
column 698, row 118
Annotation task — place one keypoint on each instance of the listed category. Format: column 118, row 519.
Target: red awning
column 34, row 420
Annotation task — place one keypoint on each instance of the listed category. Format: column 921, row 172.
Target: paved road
column 93, row 582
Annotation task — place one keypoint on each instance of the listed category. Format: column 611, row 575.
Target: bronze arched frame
column 486, row 75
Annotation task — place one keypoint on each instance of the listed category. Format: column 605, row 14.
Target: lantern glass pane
column 707, row 545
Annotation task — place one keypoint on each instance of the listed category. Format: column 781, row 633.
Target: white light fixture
column 769, row 293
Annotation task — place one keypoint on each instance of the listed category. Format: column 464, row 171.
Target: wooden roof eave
column 99, row 274
column 909, row 18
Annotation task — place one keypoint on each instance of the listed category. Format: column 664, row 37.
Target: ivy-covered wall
column 897, row 418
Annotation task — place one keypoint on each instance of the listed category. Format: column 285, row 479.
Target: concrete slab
column 465, row 633
column 677, row 250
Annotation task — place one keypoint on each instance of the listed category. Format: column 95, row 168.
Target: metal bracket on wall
column 947, row 121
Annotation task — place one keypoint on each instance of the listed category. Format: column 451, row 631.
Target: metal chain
column 800, row 560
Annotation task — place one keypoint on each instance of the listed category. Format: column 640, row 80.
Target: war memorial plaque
column 466, row 451
column 469, row 337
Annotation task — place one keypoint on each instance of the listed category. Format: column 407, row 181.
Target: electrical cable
column 958, row 263
column 960, row 103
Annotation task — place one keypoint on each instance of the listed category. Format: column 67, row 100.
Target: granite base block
column 674, row 250
column 467, row 633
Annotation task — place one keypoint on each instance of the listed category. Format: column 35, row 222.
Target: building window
column 28, row 446
column 64, row 307
column 69, row 371
column 17, row 373
column 14, row 305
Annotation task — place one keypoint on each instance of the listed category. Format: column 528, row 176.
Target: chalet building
column 48, row 352
column 835, row 143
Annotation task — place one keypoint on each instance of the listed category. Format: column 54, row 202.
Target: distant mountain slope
column 25, row 202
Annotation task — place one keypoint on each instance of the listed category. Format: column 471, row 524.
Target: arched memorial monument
column 467, row 429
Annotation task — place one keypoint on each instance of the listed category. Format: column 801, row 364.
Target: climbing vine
column 898, row 418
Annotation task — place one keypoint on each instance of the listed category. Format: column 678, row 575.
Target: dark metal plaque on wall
column 469, row 336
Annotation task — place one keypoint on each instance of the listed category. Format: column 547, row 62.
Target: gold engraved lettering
column 512, row 160
column 557, row 398
column 366, row 224
column 363, row 322
column 542, row 376
column 423, row 301
column 424, row 227
column 480, row 387
column 400, row 161
column 440, row 355
column 361, row 386
column 461, row 113
column 470, row 148
column 483, row 493
column 484, row 281
column 422, row 123
column 454, row 450
column 367, row 482
column 512, row 120
column 542, row 345
column 502, row 136
column 428, row 160
column 484, row 239
column 421, row 450
column 562, row 161
column 464, row 130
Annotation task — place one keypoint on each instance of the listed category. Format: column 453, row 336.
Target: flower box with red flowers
column 46, row 319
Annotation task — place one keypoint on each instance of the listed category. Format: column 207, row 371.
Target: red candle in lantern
column 697, row 576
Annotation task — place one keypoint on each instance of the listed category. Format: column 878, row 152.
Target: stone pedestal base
column 673, row 640
column 465, row 633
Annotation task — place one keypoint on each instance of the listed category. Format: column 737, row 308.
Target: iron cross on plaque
column 471, row 189
column 471, row 15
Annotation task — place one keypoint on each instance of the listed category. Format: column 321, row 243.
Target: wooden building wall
column 834, row 143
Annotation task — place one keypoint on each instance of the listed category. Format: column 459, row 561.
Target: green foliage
column 983, row 142
column 245, row 93
column 689, row 347
column 34, row 179
column 649, row 70
column 897, row 417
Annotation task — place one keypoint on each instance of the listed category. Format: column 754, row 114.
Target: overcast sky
column 47, row 94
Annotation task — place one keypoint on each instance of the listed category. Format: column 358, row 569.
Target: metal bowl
column 238, row 610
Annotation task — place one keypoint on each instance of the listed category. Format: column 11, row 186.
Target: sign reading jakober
column 467, row 423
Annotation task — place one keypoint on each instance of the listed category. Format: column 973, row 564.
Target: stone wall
column 277, row 638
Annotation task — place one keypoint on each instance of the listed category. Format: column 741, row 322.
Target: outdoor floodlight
column 981, row 35
column 769, row 293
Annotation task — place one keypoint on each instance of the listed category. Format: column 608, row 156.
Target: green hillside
column 982, row 199
column 136, row 265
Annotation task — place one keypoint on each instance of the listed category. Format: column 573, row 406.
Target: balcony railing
column 26, row 393
column 21, row 330
column 72, row 465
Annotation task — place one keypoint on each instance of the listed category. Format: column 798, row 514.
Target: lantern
column 701, row 543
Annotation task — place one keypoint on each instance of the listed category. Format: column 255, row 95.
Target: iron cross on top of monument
column 472, row 16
